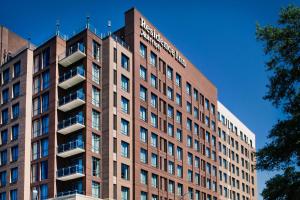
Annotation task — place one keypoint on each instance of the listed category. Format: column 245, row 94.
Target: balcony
column 70, row 193
column 71, row 101
column 71, row 124
column 69, row 173
column 74, row 53
column 72, row 77
column 70, row 148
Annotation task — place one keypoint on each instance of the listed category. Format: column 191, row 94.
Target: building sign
column 155, row 39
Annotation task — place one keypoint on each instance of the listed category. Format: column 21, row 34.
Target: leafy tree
column 282, row 152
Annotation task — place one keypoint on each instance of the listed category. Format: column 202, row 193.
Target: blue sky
column 217, row 36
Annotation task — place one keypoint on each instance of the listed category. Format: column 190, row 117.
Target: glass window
column 188, row 89
column 4, row 137
column 143, row 134
column 15, row 132
column 44, row 147
column 96, row 166
column 154, row 160
column 35, row 150
column 143, row 50
column 125, row 149
column 144, row 177
column 36, row 85
column 125, row 193
column 96, row 51
column 36, row 108
column 96, row 73
column 44, row 192
column 143, row 113
column 153, row 81
column 170, row 93
column 179, row 171
column 96, row 96
column 125, row 105
column 143, row 156
column 17, row 69
column 143, row 93
column 143, row 73
column 3, row 157
column 124, row 127
column 171, row 167
column 95, row 189
column 125, row 171
column 46, row 79
column 16, row 90
column 179, row 153
column 178, row 99
column 154, row 120
column 153, row 59
column 46, row 57
column 3, row 176
column 14, row 153
column 179, row 135
column 14, row 175
column 125, row 83
column 154, row 180
column 15, row 111
column 96, row 120
column 125, row 62
column 14, row 194
column 154, row 140
column 45, row 102
column 45, row 124
column 178, row 80
column 153, row 100
column 5, row 76
column 95, row 143
column 44, row 170
column 5, row 95
column 5, row 116
column 169, row 73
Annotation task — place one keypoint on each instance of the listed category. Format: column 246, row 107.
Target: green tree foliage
column 282, row 152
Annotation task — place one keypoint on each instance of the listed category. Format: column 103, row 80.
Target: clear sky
column 217, row 36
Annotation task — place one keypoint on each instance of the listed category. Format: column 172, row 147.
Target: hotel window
column 36, row 63
column 125, row 62
column 45, row 102
column 144, row 156
column 189, row 124
column 207, row 121
column 153, row 59
column 34, row 173
column 144, row 177
column 171, row 167
column 179, row 135
column 96, row 167
column 125, row 171
column 180, row 189
column 4, row 137
column 35, row 150
column 44, row 147
column 95, row 96
column 44, row 192
column 124, row 83
column 125, row 193
column 46, row 57
column 15, row 132
column 169, row 73
column 143, row 50
column 190, row 159
column 115, row 55
column 15, row 111
column 96, row 51
column 154, row 140
column 178, row 99
column 179, row 171
column 36, row 106
column 154, row 120
column 153, row 80
column 179, row 154
column 143, row 93
column 197, row 162
column 188, row 107
column 44, row 170
column 45, row 124
column 196, row 145
column 96, row 120
column 143, row 73
column 143, row 134
column 207, row 152
column 170, row 111
column 3, row 157
column 143, row 113
column 178, row 117
column 196, row 97
column 154, row 160
column 171, row 149
column 196, row 129
column 17, row 69
column 96, row 73
column 5, row 95
column 95, row 143
column 213, row 109
column 189, row 141
column 46, row 79
column 170, row 130
column 153, row 100
column 196, row 113
column 3, row 179
column 5, row 116
column 197, row 179
column 188, row 88
column 171, row 186
column 207, row 137
column 14, row 175
column 170, row 93
column 125, row 105
column 178, row 80
column 5, row 76
column 124, row 127
column 190, row 176
column 14, row 153
column 14, row 194
column 36, row 85
column 206, row 104
column 154, row 180
column 125, row 149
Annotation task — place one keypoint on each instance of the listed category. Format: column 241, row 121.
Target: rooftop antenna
column 109, row 26
column 57, row 27
column 87, row 22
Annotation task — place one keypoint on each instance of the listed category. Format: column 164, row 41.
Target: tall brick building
column 125, row 116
